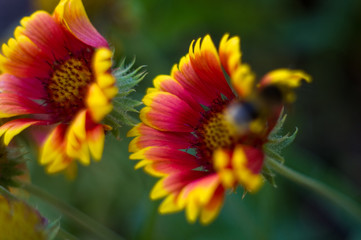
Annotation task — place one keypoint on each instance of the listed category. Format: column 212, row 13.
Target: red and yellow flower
column 57, row 71
column 201, row 135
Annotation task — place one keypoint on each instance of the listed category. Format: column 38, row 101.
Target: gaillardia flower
column 202, row 135
column 19, row 221
column 57, row 71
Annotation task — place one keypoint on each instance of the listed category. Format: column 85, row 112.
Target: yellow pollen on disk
column 217, row 132
column 68, row 85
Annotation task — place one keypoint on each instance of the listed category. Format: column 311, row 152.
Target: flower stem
column 62, row 234
column 339, row 199
column 72, row 213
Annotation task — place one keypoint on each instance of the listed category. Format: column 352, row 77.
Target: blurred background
column 321, row 37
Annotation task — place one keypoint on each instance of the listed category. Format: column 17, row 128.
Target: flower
column 201, row 135
column 57, row 71
column 20, row 221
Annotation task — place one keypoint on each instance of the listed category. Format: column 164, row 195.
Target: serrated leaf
column 273, row 148
column 127, row 104
column 282, row 142
column 127, row 79
column 124, row 93
column 124, row 118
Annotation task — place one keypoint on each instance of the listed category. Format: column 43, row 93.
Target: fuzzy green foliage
column 273, row 148
column 127, row 79
column 12, row 165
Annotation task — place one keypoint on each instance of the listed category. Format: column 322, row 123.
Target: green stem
column 339, row 199
column 72, row 213
column 62, row 234
column 6, row 193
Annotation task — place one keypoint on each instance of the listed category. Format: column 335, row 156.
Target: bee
column 250, row 114
column 240, row 115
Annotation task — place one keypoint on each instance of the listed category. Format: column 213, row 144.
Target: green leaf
column 127, row 79
column 280, row 143
column 273, row 148
column 126, row 104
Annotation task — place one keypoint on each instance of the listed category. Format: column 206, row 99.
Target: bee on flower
column 202, row 135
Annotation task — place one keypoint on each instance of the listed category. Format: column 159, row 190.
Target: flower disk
column 202, row 136
column 57, row 71
column 68, row 85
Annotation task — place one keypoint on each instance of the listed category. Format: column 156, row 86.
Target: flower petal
column 52, row 152
column 72, row 15
column 102, row 62
column 101, row 65
column 206, row 63
column 14, row 127
column 212, row 208
column 163, row 160
column 98, row 103
column 147, row 136
column 28, row 88
column 76, row 146
column 46, row 34
column 169, row 205
column 168, row 112
column 185, row 74
column 242, row 78
column 289, row 78
column 23, row 58
column 230, row 54
column 95, row 138
column 175, row 183
column 54, row 145
column 247, row 163
column 197, row 194
column 168, row 84
column 285, row 80
column 14, row 105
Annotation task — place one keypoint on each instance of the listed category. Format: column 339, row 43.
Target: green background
column 321, row 37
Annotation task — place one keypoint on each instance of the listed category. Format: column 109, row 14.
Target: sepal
column 273, row 148
column 126, row 80
column 12, row 165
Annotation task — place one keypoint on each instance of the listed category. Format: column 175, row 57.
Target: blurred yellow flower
column 18, row 221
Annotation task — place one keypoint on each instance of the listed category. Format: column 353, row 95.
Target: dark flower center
column 68, row 85
column 216, row 132
column 213, row 131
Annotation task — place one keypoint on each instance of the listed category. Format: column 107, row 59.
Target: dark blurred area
column 321, row 37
